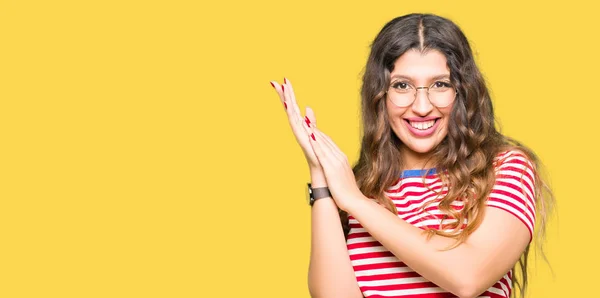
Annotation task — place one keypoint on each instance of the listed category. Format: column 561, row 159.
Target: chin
column 421, row 149
column 421, row 145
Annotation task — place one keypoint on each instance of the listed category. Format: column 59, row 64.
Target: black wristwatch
column 317, row 193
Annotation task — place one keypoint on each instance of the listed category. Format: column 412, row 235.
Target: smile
column 422, row 125
column 422, row 128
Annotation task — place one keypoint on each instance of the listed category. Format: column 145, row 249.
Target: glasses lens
column 441, row 94
column 402, row 94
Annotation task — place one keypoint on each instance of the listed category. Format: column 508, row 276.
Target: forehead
column 420, row 66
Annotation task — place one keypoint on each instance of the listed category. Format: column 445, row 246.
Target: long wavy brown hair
column 465, row 155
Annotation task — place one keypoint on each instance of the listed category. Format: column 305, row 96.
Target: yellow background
column 143, row 152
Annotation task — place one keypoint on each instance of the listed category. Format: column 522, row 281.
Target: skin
column 421, row 68
column 330, row 273
column 466, row 271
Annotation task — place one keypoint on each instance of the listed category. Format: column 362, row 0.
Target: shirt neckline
column 417, row 172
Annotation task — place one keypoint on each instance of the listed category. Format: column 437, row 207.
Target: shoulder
column 516, row 167
column 513, row 160
column 512, row 154
column 514, row 189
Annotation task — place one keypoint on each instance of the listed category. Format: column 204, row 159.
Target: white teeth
column 422, row 125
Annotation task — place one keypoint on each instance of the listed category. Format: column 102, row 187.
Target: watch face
column 309, row 197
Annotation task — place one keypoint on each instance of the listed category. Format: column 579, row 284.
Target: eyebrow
column 441, row 76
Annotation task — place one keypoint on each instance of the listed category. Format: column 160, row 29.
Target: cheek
column 394, row 113
column 444, row 129
column 395, row 120
column 445, row 125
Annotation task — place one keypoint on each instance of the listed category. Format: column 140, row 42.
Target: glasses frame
column 417, row 91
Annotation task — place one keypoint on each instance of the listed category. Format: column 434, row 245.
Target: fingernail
column 284, row 80
column 282, row 89
column 285, row 105
column 313, row 136
column 307, row 120
column 272, row 85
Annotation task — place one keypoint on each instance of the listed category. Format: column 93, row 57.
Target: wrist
column 315, row 169
column 317, row 178
column 357, row 203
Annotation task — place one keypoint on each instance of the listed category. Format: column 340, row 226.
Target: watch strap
column 317, row 193
column 320, row 192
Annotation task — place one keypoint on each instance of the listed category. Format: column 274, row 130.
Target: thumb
column 311, row 116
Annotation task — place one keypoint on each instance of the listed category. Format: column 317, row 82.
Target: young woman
column 440, row 204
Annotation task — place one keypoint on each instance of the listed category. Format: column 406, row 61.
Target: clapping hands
column 320, row 151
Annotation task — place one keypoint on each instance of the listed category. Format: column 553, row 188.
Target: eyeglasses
column 441, row 93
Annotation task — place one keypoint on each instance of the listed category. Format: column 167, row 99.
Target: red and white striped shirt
column 380, row 274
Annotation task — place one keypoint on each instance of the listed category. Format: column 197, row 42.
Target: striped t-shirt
column 380, row 274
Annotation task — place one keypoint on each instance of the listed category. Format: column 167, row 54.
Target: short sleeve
column 514, row 190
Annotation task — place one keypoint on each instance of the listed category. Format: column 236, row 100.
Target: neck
column 414, row 160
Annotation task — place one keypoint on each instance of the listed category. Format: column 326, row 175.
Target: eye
column 401, row 85
column 441, row 85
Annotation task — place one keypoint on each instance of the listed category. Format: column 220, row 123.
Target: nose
column 422, row 106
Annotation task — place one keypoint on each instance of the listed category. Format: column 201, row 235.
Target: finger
column 293, row 116
column 335, row 150
column 309, row 120
column 307, row 124
column 312, row 125
column 292, row 96
column 316, row 146
column 321, row 148
column 326, row 140
column 293, row 105
column 285, row 92
column 278, row 89
column 311, row 116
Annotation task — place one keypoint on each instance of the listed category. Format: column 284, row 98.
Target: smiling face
column 421, row 126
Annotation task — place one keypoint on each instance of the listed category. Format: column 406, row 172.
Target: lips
column 422, row 127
